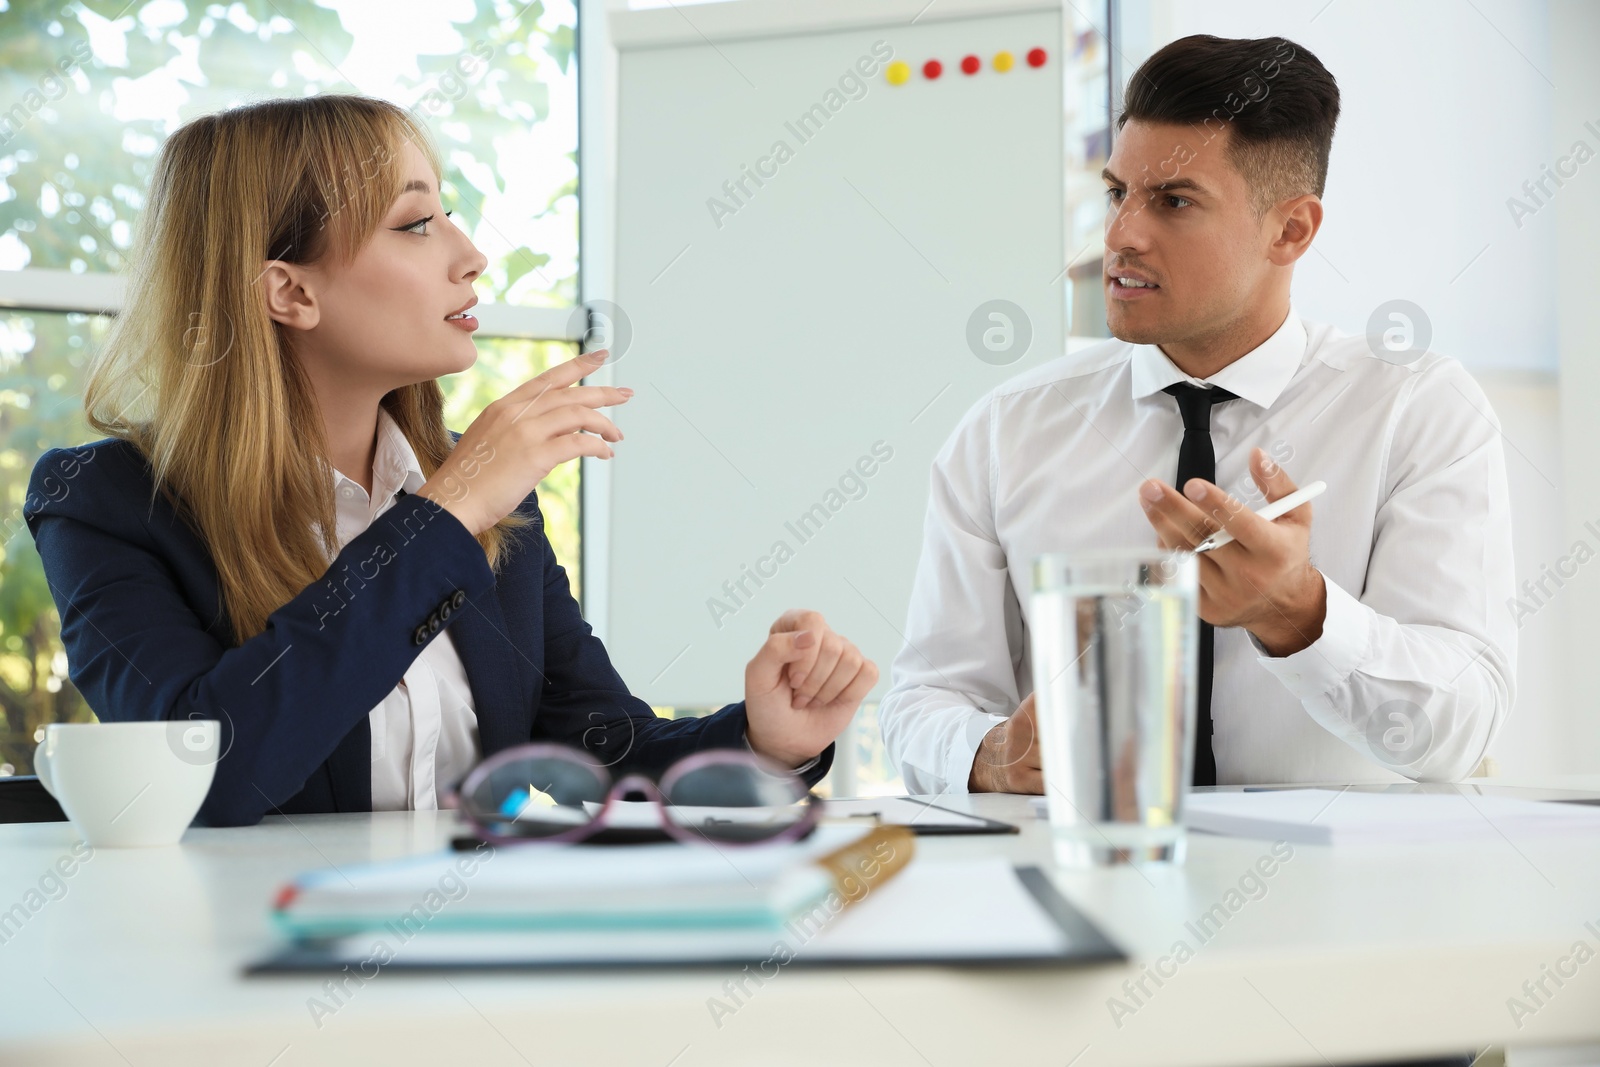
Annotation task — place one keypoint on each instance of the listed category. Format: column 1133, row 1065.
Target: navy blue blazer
column 147, row 638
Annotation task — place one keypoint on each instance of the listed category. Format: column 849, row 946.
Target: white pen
column 1276, row 509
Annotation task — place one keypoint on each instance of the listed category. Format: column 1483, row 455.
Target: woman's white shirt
column 425, row 732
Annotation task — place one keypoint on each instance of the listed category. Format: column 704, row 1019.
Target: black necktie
column 1197, row 459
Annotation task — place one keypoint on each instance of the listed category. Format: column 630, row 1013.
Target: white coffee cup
column 129, row 784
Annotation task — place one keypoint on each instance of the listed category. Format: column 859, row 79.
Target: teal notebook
column 565, row 887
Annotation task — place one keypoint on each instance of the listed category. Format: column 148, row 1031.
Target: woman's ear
column 289, row 295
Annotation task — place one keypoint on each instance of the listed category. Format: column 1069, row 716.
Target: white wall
column 1541, row 736
column 1575, row 277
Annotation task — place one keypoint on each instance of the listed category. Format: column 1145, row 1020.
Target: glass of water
column 1115, row 635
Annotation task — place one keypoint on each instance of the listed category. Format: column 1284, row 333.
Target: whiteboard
column 800, row 346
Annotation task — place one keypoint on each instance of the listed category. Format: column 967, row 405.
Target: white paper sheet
column 1328, row 816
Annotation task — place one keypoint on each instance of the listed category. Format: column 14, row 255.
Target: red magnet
column 1036, row 57
column 970, row 65
column 932, row 69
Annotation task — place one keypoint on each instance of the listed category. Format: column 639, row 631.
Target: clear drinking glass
column 1115, row 635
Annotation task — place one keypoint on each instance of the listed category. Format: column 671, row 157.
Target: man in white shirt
column 1365, row 639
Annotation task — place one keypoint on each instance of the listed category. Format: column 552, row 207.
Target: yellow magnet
column 898, row 73
column 1003, row 61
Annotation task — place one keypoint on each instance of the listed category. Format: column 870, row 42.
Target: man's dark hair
column 1277, row 98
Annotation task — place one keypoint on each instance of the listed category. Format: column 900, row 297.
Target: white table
column 1351, row 953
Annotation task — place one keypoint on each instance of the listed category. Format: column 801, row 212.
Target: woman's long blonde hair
column 202, row 381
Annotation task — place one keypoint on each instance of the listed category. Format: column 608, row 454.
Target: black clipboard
column 621, row 835
column 978, row 824
column 1085, row 944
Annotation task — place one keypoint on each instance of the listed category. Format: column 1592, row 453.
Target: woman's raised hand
column 523, row 436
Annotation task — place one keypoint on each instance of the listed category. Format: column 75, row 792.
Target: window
column 93, row 95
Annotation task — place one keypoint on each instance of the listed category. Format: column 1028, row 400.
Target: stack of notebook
column 847, row 894
column 594, row 888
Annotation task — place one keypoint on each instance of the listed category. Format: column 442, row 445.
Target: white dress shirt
column 1413, row 539
column 425, row 732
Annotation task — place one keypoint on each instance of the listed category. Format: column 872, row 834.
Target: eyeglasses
column 554, row 793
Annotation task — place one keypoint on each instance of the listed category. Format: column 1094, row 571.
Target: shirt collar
column 1258, row 376
column 394, row 463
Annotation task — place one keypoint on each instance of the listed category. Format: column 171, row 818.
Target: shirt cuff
column 1345, row 644
column 802, row 769
column 958, row 767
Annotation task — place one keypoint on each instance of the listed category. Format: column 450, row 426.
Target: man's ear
column 1291, row 225
column 290, row 295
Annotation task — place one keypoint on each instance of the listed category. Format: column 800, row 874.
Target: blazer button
column 459, row 599
column 445, row 611
column 434, row 623
column 420, row 635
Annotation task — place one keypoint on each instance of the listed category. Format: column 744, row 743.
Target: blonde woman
column 280, row 533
